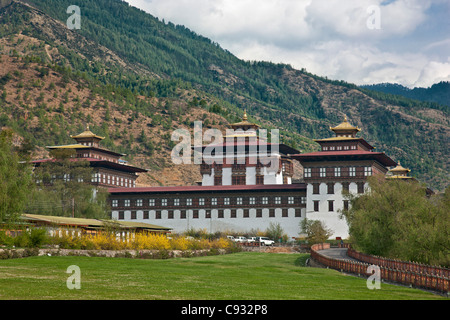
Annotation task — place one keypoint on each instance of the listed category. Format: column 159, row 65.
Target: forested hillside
column 156, row 76
column 438, row 93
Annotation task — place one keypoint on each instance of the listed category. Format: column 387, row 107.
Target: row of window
column 316, row 204
column 195, row 214
column 336, row 172
column 113, row 180
column 338, row 148
column 331, row 187
column 96, row 156
column 238, row 180
column 209, row 201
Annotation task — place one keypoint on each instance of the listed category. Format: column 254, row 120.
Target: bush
column 37, row 238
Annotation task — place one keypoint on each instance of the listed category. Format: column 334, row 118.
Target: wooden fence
column 406, row 273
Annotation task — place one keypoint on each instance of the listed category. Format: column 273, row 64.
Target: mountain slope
column 124, row 49
column 438, row 93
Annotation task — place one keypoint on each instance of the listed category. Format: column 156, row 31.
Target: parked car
column 240, row 239
column 251, row 239
column 230, row 238
column 264, row 241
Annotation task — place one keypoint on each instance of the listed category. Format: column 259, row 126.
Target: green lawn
column 258, row 276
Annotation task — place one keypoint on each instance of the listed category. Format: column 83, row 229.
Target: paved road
column 336, row 253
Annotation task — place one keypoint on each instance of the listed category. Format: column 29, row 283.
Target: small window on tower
column 352, row 171
column 307, row 173
column 316, row 205
column 337, row 172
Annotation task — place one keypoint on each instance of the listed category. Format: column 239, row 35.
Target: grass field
column 239, row 276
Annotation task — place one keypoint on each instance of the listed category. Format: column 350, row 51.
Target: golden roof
column 69, row 146
column 345, row 126
column 337, row 139
column 87, row 134
column 244, row 123
column 399, row 168
column 399, row 177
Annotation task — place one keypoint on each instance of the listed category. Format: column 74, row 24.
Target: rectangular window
column 346, row 202
column 284, row 213
column 127, row 203
column 259, row 179
column 158, row 215
column 218, row 181
column 331, row 205
column 238, row 180
column 226, row 201
column 146, row 215
column 316, row 188
column 367, row 171
column 133, row 215
column 316, row 205
column 345, row 186
column 170, row 214
column 303, row 200
column 352, row 171
column 290, row 200
column 265, row 200
column 208, row 214
column 298, row 213
column 220, row 214
column 214, row 201
column 259, row 213
column 121, row 215
column 176, row 202
column 195, row 214
column 252, row 200
column 323, row 172
column 233, row 214
column 164, row 202
column 183, row 214
column 201, row 201
column 139, row 203
column 239, row 201
column 277, row 200
column 271, row 213
column 151, row 202
column 337, row 172
column 115, row 203
column 330, row 188
column 307, row 173
column 360, row 187
column 246, row 213
column 189, row 202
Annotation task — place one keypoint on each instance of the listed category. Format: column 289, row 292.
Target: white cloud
column 434, row 72
column 327, row 37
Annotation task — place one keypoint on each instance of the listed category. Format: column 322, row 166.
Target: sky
column 358, row 41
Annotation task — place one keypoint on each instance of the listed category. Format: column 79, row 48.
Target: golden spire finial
column 87, row 127
column 245, row 116
column 345, row 118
